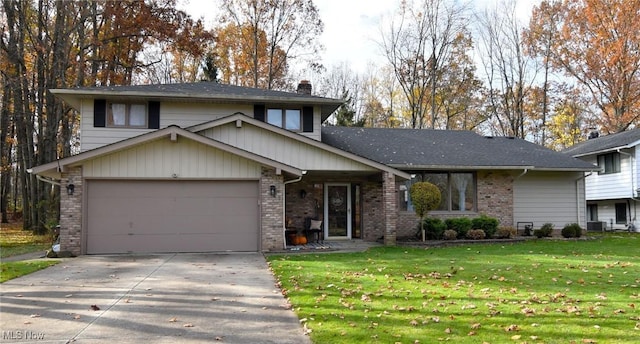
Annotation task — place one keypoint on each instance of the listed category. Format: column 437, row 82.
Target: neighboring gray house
column 212, row 167
column 613, row 193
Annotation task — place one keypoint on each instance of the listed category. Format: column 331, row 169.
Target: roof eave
column 73, row 97
column 480, row 167
column 604, row 150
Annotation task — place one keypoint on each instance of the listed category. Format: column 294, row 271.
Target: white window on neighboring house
column 609, row 163
column 127, row 115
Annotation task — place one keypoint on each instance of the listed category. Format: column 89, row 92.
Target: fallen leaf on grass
column 516, row 337
column 512, row 328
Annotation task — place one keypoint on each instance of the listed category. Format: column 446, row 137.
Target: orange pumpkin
column 302, row 240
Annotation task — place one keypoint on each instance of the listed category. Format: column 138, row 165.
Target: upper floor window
column 289, row 119
column 126, row 115
column 458, row 190
column 609, row 163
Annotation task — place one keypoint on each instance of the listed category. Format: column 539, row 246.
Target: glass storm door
column 337, row 211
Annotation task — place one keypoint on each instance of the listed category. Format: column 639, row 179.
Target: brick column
column 71, row 212
column 271, row 210
column 390, row 208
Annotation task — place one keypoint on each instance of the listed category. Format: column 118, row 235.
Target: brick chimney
column 304, row 87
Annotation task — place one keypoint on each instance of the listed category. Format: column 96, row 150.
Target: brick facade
column 71, row 211
column 389, row 208
column 373, row 212
column 378, row 213
column 495, row 199
column 495, row 195
column 271, row 210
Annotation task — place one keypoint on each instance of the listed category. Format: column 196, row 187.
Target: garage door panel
column 172, row 216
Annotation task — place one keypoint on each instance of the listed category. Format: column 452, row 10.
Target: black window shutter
column 154, row 115
column 307, row 119
column 258, row 112
column 99, row 113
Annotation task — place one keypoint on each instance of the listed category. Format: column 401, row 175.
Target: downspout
column 578, row 196
column 284, row 206
column 633, row 190
column 525, row 171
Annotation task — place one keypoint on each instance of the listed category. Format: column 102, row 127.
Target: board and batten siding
column 165, row 159
column 182, row 114
column 283, row 149
column 612, row 185
column 549, row 197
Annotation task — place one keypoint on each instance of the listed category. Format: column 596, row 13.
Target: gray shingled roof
column 605, row 143
column 447, row 149
column 199, row 91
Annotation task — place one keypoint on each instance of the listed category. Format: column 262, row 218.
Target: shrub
column 433, row 227
column 461, row 225
column 450, row 234
column 476, row 234
column 546, row 229
column 505, row 233
column 572, row 231
column 488, row 224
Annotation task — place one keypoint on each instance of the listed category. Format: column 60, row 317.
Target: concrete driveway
column 173, row 298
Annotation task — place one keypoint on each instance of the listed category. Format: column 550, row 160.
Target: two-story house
column 212, row 167
column 613, row 192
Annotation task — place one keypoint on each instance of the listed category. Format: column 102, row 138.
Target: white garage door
column 171, row 216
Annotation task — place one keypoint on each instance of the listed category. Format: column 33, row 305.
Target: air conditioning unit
column 599, row 226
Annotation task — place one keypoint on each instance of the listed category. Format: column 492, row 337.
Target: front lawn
column 11, row 270
column 15, row 241
column 540, row 291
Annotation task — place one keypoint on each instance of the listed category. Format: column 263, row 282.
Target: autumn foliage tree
column 56, row 44
column 418, row 45
column 265, row 37
column 598, row 45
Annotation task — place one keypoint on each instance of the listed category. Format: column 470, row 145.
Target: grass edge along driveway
column 541, row 291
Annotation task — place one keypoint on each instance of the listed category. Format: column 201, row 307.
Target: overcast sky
column 351, row 27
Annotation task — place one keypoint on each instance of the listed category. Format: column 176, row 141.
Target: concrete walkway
column 173, row 298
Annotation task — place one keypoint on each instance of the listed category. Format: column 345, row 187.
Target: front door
column 337, row 211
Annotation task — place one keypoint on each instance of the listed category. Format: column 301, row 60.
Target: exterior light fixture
column 70, row 189
column 272, row 190
column 303, row 194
